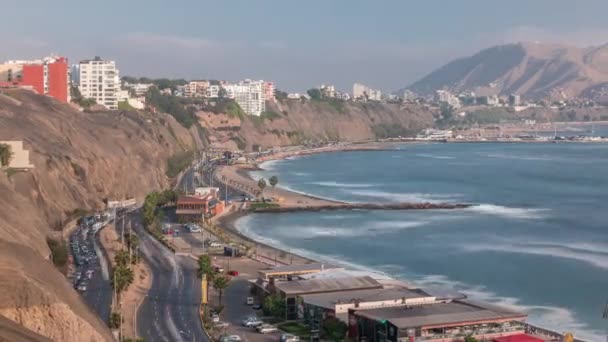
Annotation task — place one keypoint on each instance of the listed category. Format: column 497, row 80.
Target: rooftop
column 441, row 314
column 297, row 287
column 191, row 199
column 329, row 300
column 294, row 269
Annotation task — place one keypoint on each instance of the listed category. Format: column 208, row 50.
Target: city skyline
column 298, row 46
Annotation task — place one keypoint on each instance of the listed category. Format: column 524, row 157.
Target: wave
column 374, row 229
column 405, row 197
column 344, row 185
column 301, row 174
column 433, row 156
column 269, row 165
column 593, row 258
column 508, row 212
column 516, row 157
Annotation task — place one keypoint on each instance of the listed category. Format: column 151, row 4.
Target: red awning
column 518, row 338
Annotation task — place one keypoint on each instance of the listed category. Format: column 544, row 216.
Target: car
column 82, row 288
column 289, row 338
column 266, row 329
column 215, row 244
column 215, row 318
column 230, row 338
column 233, row 273
column 252, row 322
column 256, row 306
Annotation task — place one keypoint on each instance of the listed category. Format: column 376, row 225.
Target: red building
column 47, row 77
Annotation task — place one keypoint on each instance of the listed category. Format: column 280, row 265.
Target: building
column 444, row 96
column 191, row 208
column 213, row 91
column 100, row 80
column 291, row 290
column 197, row 89
column 443, row 322
column 514, row 100
column 289, row 272
column 320, row 306
column 249, row 95
column 138, row 89
column 435, row 134
column 363, row 92
column 269, row 91
column 48, row 76
column 20, row 158
column 328, row 90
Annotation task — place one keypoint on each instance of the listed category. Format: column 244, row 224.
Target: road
column 89, row 258
column 170, row 311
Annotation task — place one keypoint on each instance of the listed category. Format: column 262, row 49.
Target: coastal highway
column 170, row 311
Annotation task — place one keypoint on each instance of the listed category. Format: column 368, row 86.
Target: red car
column 233, row 273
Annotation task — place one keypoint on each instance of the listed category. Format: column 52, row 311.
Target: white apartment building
column 100, row 80
column 139, row 89
column 361, row 91
column 196, row 89
column 249, row 95
column 213, row 91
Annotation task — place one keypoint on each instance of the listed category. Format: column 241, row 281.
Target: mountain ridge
column 531, row 69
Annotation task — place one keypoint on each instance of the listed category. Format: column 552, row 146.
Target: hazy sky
column 385, row 44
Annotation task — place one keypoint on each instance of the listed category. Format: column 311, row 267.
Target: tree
column 274, row 180
column 121, row 258
column 220, row 283
column 334, row 329
column 274, row 306
column 122, row 277
column 114, row 322
column 261, row 185
column 222, row 93
column 205, row 267
column 6, row 154
column 470, row 338
column 314, row 93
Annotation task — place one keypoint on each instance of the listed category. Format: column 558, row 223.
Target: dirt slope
column 533, row 70
column 80, row 159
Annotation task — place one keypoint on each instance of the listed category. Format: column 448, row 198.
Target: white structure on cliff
column 20, row 158
column 249, row 95
column 363, row 92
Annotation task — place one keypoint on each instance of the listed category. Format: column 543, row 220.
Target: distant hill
column 533, row 70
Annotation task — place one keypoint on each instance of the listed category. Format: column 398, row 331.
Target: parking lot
column 89, row 273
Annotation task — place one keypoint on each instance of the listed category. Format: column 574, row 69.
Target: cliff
column 80, row 159
column 291, row 122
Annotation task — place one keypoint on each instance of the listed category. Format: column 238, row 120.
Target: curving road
column 170, row 311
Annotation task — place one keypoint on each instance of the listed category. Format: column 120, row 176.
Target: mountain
column 80, row 159
column 533, row 70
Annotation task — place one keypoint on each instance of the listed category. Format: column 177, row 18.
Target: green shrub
column 178, row 162
column 59, row 252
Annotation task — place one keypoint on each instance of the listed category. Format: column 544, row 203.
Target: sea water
column 536, row 238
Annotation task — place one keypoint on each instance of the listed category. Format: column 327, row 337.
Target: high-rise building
column 514, row 100
column 269, row 90
column 100, row 80
column 249, row 95
column 363, row 92
column 48, row 76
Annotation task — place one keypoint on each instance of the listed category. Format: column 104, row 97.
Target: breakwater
column 364, row 206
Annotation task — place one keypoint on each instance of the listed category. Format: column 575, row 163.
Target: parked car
column 289, row 338
column 215, row 244
column 252, row 322
column 256, row 306
column 266, row 329
column 215, row 318
column 233, row 273
column 230, row 338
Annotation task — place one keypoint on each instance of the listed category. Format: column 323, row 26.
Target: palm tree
column 122, row 277
column 261, row 185
column 121, row 258
column 220, row 283
column 204, row 267
column 274, row 180
column 5, row 154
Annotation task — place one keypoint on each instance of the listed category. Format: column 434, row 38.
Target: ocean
column 536, row 238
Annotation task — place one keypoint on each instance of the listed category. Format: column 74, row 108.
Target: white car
column 267, row 329
column 290, row 338
column 215, row 245
column 230, row 338
column 221, row 324
column 215, row 318
column 252, row 323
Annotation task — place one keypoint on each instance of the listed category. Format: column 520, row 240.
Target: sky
column 385, row 44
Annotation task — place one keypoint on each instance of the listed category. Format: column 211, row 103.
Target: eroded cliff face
column 295, row 122
column 80, row 159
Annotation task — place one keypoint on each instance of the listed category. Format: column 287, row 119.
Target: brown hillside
column 80, row 159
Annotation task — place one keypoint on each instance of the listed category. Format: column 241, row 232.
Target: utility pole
column 122, row 232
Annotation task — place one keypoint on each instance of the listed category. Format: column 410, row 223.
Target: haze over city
column 387, row 44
